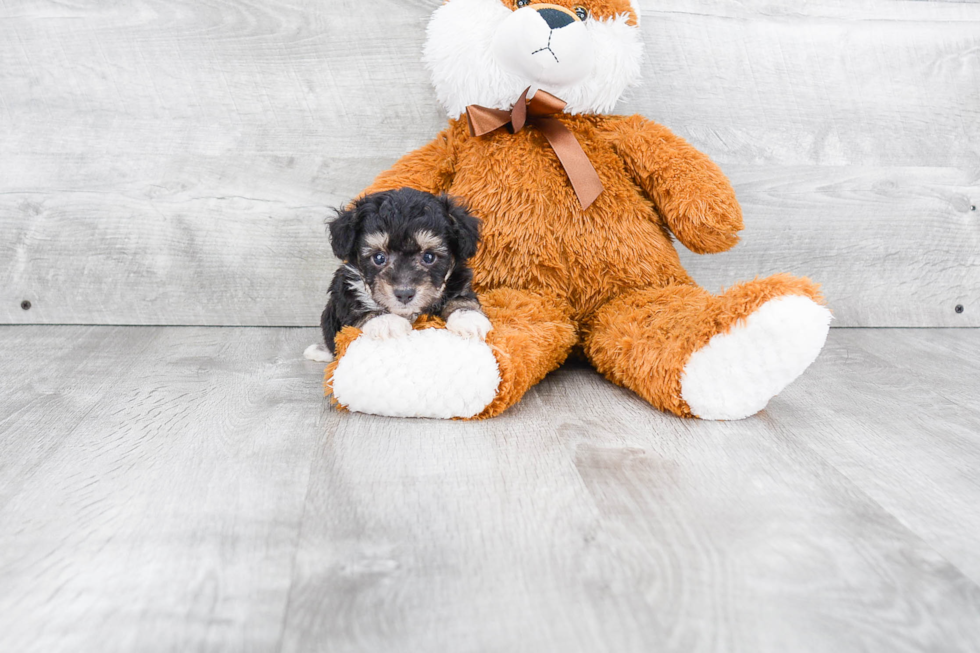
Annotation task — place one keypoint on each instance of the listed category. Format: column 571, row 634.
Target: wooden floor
column 187, row 489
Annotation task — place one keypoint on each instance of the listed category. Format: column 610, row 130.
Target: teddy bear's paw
column 428, row 373
column 736, row 374
column 469, row 324
column 319, row 353
column 386, row 327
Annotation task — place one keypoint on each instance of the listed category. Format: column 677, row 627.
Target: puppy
column 404, row 254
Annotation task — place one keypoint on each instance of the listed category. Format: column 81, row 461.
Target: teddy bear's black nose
column 405, row 295
column 555, row 19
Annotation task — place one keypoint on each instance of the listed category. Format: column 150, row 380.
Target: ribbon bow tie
column 538, row 111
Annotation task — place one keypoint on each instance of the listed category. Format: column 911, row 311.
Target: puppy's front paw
column 469, row 324
column 386, row 327
column 318, row 353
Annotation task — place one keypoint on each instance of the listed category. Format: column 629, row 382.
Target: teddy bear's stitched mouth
column 548, row 48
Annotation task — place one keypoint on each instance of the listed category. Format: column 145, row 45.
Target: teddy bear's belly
column 535, row 235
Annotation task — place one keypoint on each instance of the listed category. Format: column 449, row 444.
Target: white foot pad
column 428, row 373
column 736, row 374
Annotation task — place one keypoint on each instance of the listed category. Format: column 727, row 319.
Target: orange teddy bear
column 578, row 208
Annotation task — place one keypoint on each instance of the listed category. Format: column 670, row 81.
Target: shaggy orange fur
column 552, row 276
column 532, row 335
column 643, row 339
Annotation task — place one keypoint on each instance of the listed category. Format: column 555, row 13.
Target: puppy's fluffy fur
column 404, row 254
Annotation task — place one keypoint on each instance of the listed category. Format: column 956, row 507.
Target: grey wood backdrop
column 172, row 162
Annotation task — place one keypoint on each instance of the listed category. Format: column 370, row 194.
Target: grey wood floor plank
column 903, row 424
column 427, row 536
column 51, row 379
column 167, row 519
column 586, row 521
column 200, row 494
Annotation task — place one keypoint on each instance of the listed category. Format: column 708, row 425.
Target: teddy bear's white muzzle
column 545, row 52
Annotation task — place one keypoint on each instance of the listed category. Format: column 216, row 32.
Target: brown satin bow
column 538, row 111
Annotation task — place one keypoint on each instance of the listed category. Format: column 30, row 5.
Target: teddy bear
column 580, row 209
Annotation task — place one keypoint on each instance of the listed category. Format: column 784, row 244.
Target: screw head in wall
column 959, row 309
column 26, row 305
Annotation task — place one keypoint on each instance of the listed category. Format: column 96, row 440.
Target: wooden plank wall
column 172, row 161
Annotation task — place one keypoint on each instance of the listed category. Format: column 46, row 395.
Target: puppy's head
column 405, row 244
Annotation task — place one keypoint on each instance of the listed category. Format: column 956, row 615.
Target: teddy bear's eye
column 522, row 3
column 582, row 13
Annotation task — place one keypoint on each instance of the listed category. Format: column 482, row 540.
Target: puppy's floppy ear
column 466, row 227
column 343, row 232
column 346, row 226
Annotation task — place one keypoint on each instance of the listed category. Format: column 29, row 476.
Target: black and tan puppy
column 404, row 254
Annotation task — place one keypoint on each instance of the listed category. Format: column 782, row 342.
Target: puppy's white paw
column 469, row 324
column 386, row 327
column 318, row 353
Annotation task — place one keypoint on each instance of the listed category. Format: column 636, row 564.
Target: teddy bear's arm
column 429, row 168
column 690, row 191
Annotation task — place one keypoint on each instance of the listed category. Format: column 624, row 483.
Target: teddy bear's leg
column 434, row 373
column 532, row 335
column 714, row 357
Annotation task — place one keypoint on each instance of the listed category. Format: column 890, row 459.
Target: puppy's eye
column 522, row 3
column 428, row 258
column 582, row 13
column 379, row 259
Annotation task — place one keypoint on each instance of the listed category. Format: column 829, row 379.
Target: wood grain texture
column 49, row 384
column 189, row 489
column 153, row 487
column 585, row 521
column 920, row 465
column 172, row 163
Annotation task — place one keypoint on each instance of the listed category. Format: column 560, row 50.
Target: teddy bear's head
column 486, row 52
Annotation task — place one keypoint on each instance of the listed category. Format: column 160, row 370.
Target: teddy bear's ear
column 466, row 227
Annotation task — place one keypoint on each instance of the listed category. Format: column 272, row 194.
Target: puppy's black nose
column 404, row 295
column 555, row 19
